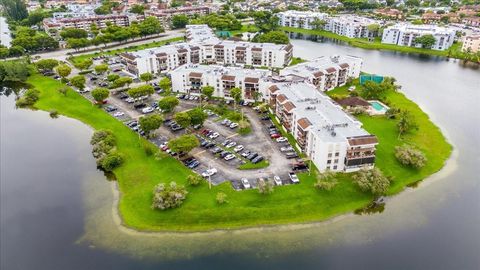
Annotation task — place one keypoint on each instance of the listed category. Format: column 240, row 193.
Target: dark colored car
column 140, row 106
column 110, row 108
column 252, row 156
column 257, row 159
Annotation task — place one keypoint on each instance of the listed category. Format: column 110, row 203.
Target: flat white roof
column 221, row 70
column 421, row 29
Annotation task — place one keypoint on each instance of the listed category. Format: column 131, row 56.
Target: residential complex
column 471, row 43
column 300, row 19
column 191, row 78
column 331, row 139
column 327, row 73
column 203, row 46
column 405, row 35
column 165, row 15
column 345, row 25
column 84, row 22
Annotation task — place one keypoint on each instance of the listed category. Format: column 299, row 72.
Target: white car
column 118, row 114
column 214, row 135
column 281, row 139
column 277, row 180
column 209, row 172
column 294, row 178
column 286, row 149
column 229, row 157
column 230, row 145
column 245, row 183
column 233, row 125
column 147, row 110
column 238, row 148
column 130, row 100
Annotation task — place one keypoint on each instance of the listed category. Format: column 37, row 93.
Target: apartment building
column 191, row 78
column 471, row 44
column 203, row 46
column 405, row 35
column 331, row 139
column 351, row 26
column 326, row 73
column 165, row 15
column 85, row 22
column 300, row 19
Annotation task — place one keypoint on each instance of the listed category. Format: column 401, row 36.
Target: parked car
column 122, row 95
column 231, row 144
column 291, row 155
column 209, row 145
column 110, row 108
column 209, row 172
column 281, row 139
column 252, row 156
column 238, row 148
column 233, row 125
column 118, row 114
column 275, row 135
column 277, row 180
column 257, row 159
column 294, row 178
column 147, row 110
column 130, row 100
column 286, row 149
column 139, row 106
column 214, row 135
column 227, row 141
column 229, row 157
column 216, row 150
column 224, row 154
column 245, row 183
column 246, row 153
column 194, row 164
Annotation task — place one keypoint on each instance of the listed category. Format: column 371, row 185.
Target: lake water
column 56, row 208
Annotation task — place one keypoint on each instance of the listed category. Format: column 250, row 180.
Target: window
column 329, row 161
column 329, row 155
column 335, row 161
column 335, row 167
column 337, row 154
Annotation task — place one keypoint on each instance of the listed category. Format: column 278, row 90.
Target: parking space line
column 231, row 136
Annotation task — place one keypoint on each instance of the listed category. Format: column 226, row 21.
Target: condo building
column 191, row 78
column 331, row 139
column 471, row 43
column 351, row 26
column 165, row 15
column 300, row 19
column 405, row 35
column 326, row 73
column 203, row 46
column 84, row 22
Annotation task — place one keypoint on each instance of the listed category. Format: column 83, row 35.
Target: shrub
column 221, row 198
column 244, row 127
column 168, row 196
column 29, row 98
column 149, row 148
column 112, row 161
column 409, row 156
column 53, row 113
column 102, row 135
column 325, row 181
column 194, row 179
column 265, row 186
column 372, row 181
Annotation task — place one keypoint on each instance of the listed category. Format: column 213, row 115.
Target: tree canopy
column 184, row 143
column 277, row 37
column 168, row 196
column 100, row 94
column 179, row 21
column 150, row 122
column 78, row 81
column 46, row 64
column 146, row 77
column 167, row 104
column 141, row 91
column 427, row 41
column 372, row 181
column 64, row 70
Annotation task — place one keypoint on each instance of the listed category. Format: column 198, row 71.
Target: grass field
column 454, row 51
column 288, row 204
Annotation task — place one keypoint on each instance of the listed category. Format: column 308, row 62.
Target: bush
column 168, row 196
column 149, row 148
column 29, row 98
column 244, row 127
column 102, row 135
column 372, row 181
column 53, row 113
column 265, row 186
column 221, row 198
column 325, row 181
column 112, row 161
column 194, row 179
column 409, row 156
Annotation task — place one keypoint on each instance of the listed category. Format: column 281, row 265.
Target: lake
column 57, row 209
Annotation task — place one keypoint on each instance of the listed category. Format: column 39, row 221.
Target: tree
column 168, row 196
column 167, row 104
column 112, row 77
column 184, row 143
column 373, row 28
column 265, row 186
column 137, row 9
column 194, row 179
column 78, row 81
column 15, row 51
column 29, row 98
column 46, row 64
column 277, row 37
column 100, row 69
column 71, row 32
column 318, row 24
column 85, row 64
column 409, row 156
column 141, row 91
column 165, row 84
column 221, row 198
column 146, row 77
column 427, row 41
column 265, row 21
column 197, row 116
column 236, row 94
column 63, row 70
column 179, row 21
column 150, row 122
column 121, row 81
column 100, row 94
column 14, row 71
column 150, row 26
column 208, row 91
column 183, row 119
column 326, row 181
column 63, row 91
column 373, row 90
column 77, row 43
column 406, row 123
column 372, row 181
column 14, row 9
column 111, row 161
column 4, row 52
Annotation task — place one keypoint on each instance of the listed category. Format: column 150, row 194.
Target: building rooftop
column 319, row 66
column 226, row 72
column 421, row 28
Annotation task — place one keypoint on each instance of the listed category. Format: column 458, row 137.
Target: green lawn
column 80, row 58
column 250, row 166
column 294, row 203
column 296, row 60
column 454, row 51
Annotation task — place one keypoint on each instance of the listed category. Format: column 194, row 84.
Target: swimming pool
column 378, row 107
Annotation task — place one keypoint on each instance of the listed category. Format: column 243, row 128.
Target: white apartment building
column 191, row 78
column 85, row 22
column 332, row 139
column 405, row 35
column 351, row 26
column 300, row 19
column 471, row 44
column 165, row 15
column 203, row 46
column 326, row 72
